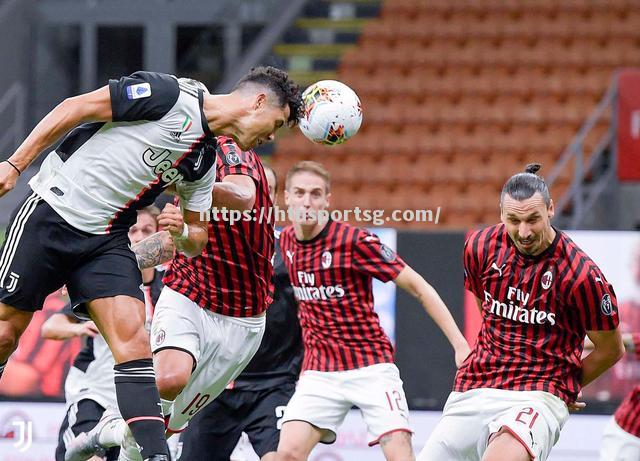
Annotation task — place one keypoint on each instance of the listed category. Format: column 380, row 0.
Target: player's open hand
column 577, row 405
column 171, row 220
column 8, row 178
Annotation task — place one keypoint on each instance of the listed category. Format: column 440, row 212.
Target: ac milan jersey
column 332, row 276
column 536, row 311
column 102, row 173
column 627, row 415
column 233, row 274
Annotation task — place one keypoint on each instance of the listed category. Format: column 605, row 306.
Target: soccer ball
column 332, row 112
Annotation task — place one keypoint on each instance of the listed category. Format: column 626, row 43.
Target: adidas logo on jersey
column 176, row 135
column 162, row 165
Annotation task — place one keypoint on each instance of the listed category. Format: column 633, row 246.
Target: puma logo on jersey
column 499, row 269
column 162, row 165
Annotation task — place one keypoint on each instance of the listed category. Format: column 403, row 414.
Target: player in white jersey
column 89, row 387
column 139, row 135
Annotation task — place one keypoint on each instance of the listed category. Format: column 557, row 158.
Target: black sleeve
column 143, row 96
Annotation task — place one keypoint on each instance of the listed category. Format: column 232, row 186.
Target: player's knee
column 289, row 454
column 9, row 337
column 132, row 348
column 170, row 382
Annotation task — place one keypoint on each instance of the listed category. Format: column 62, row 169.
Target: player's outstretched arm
column 607, row 350
column 154, row 250
column 189, row 233
column 93, row 106
column 61, row 326
column 412, row 282
column 235, row 192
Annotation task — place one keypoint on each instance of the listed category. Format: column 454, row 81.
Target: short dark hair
column 286, row 90
column 522, row 186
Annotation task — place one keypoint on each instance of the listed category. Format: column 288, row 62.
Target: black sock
column 139, row 404
column 2, row 365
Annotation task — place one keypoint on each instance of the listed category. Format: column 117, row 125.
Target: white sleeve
column 197, row 195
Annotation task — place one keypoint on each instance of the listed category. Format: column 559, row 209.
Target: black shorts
column 42, row 252
column 215, row 430
column 81, row 417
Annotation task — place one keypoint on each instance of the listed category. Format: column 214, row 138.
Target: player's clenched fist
column 8, row 177
column 171, row 220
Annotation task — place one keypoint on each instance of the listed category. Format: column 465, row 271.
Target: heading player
column 539, row 294
column 139, row 135
column 348, row 357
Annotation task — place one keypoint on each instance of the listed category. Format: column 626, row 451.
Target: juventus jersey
column 102, row 173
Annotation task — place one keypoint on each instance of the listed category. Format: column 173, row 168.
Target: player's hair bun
column 533, row 168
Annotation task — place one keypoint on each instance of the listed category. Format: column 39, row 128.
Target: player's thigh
column 529, row 426
column 34, row 257
column 318, row 400
column 227, row 345
column 457, row 434
column 618, row 445
column 378, row 392
column 216, row 426
column 264, row 420
column 13, row 322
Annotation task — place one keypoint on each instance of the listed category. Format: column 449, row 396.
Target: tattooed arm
column 155, row 249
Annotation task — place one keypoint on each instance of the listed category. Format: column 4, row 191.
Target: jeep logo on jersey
column 326, row 259
column 606, row 305
column 161, row 165
column 547, row 279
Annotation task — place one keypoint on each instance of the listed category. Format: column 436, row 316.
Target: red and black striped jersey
column 233, row 275
column 627, row 415
column 331, row 276
column 536, row 311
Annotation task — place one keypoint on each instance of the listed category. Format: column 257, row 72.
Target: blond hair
column 309, row 166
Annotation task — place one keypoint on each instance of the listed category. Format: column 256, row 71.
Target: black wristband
column 14, row 167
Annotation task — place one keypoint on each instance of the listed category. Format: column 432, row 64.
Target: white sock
column 167, row 407
column 113, row 434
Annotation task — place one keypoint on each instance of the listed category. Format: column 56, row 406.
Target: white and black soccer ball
column 332, row 112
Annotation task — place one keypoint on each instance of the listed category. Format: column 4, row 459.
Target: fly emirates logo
column 516, row 308
column 307, row 291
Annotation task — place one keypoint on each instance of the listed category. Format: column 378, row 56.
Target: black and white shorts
column 42, row 252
